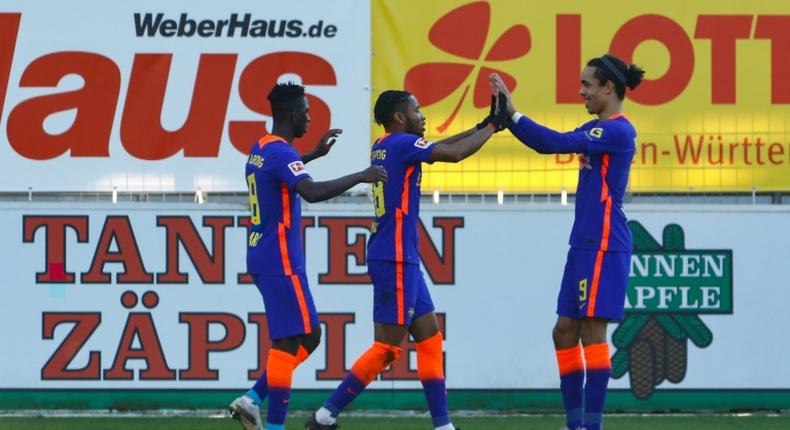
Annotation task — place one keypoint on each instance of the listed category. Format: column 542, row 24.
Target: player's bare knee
column 391, row 355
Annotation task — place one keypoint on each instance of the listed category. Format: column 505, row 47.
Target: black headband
column 612, row 68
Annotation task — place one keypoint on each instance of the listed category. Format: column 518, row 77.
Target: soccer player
column 596, row 271
column 401, row 299
column 275, row 175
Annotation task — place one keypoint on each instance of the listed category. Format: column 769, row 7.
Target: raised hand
column 498, row 87
column 501, row 118
column 326, row 142
column 374, row 174
column 491, row 114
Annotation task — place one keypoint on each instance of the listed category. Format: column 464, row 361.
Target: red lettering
column 244, row 221
column 9, row 29
column 55, row 239
column 568, row 57
column 260, row 75
column 723, row 31
column 670, row 34
column 140, row 326
column 118, row 229
column 776, row 149
column 85, row 323
column 564, row 158
column 200, row 346
column 340, row 249
column 688, row 148
column 263, row 344
column 307, row 222
column 776, row 28
column 441, row 268
column 141, row 130
column 180, row 229
column 95, row 102
column 335, row 344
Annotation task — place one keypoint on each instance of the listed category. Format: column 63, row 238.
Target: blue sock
column 436, row 395
column 598, row 364
column 278, row 407
column 572, row 387
column 345, row 393
column 254, row 396
column 260, row 390
column 595, row 396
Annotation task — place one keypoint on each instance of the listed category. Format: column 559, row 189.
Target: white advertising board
column 155, row 296
column 153, row 96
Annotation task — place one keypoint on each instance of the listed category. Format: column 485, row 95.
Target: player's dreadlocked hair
column 610, row 68
column 285, row 98
column 388, row 103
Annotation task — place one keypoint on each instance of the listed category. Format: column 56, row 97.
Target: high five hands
column 498, row 87
column 498, row 115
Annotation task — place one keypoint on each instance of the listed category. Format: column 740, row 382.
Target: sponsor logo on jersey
column 596, row 132
column 584, row 162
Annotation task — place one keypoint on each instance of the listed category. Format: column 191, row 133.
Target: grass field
column 693, row 422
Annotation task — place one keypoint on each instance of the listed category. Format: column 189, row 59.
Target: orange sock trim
column 430, row 361
column 301, row 355
column 570, row 360
column 374, row 361
column 279, row 369
column 597, row 356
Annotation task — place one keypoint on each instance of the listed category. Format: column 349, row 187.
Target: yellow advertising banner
column 713, row 114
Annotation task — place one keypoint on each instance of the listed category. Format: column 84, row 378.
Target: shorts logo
column 411, row 312
column 596, row 132
column 422, row 143
column 297, row 168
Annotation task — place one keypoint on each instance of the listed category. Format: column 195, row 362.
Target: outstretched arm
column 463, row 147
column 474, row 139
column 545, row 140
column 456, row 137
column 324, row 145
column 491, row 118
column 325, row 190
column 542, row 139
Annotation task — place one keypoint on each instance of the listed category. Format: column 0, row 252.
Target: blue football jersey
column 606, row 149
column 274, row 245
column 397, row 202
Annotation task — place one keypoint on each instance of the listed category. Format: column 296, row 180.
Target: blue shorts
column 399, row 292
column 594, row 284
column 289, row 305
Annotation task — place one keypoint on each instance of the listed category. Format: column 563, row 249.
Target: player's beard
column 416, row 127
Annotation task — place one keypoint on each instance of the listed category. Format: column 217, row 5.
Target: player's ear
column 609, row 87
column 399, row 117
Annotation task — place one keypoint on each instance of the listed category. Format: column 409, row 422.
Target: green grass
column 696, row 422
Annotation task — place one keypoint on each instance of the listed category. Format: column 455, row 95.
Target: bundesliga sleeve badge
column 422, row 143
column 297, row 168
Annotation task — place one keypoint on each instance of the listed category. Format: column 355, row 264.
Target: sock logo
column 669, row 287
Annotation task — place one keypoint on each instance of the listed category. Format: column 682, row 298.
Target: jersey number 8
column 255, row 209
column 378, row 199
